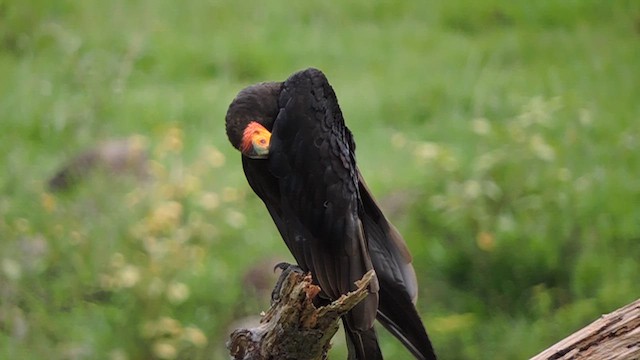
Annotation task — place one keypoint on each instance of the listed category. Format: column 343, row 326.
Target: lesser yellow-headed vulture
column 299, row 158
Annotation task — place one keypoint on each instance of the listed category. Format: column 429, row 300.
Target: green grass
column 501, row 136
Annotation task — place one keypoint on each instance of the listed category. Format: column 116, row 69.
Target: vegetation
column 502, row 137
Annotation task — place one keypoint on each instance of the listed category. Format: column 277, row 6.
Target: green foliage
column 501, row 137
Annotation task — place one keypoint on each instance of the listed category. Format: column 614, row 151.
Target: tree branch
column 293, row 328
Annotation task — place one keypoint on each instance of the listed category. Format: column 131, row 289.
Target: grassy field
column 502, row 138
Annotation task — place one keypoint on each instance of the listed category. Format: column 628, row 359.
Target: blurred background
column 501, row 137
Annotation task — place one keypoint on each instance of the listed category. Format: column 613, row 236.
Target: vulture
column 299, row 158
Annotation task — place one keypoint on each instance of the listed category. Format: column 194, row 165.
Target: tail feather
column 362, row 345
column 399, row 316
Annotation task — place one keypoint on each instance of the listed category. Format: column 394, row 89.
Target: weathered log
column 115, row 157
column 613, row 336
column 293, row 328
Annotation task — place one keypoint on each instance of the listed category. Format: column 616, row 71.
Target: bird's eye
column 262, row 141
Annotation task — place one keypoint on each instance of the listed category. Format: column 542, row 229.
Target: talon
column 282, row 266
column 286, row 270
column 286, row 267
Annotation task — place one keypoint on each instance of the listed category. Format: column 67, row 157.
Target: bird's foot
column 286, row 270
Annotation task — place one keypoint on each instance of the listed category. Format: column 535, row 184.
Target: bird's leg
column 286, row 270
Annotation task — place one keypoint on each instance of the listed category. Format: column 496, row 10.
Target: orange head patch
column 255, row 141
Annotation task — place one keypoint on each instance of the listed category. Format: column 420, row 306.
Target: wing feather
column 311, row 156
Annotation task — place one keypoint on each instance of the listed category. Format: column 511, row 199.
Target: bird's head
column 250, row 119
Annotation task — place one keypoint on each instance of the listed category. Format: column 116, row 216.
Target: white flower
column 236, row 219
column 427, row 151
column 11, row 269
column 472, row 189
column 541, row 149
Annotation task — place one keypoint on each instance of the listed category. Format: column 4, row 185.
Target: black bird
column 299, row 158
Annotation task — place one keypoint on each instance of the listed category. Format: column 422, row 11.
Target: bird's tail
column 397, row 314
column 362, row 345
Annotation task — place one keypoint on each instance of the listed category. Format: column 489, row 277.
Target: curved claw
column 285, row 266
column 286, row 270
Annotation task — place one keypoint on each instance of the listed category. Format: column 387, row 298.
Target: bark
column 612, row 336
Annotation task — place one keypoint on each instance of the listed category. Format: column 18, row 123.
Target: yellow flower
column 173, row 140
column 138, row 143
column 165, row 216
column 164, row 350
column 210, row 201
column 177, row 292
column 195, row 336
column 191, row 184
column 486, row 241
column 214, row 157
column 128, row 276
column 169, row 326
column 48, row 202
